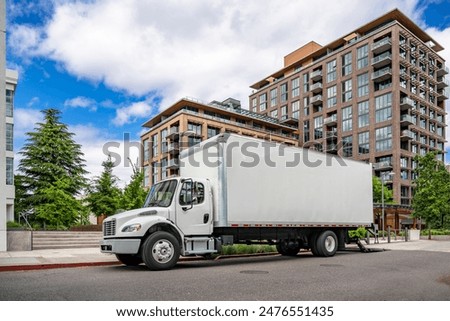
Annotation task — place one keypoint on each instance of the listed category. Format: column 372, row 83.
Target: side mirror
column 187, row 193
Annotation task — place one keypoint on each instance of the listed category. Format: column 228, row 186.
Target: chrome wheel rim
column 162, row 251
column 330, row 243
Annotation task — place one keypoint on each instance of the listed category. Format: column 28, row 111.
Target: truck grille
column 109, row 228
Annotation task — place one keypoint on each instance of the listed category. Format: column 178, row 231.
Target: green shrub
column 435, row 232
column 12, row 224
column 359, row 233
column 247, row 249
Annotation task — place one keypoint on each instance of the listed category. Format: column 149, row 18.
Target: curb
column 53, row 266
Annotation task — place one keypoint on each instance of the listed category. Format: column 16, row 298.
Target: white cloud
column 97, row 145
column 81, row 102
column 25, row 121
column 206, row 49
column 125, row 115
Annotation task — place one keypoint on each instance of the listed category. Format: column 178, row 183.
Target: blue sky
column 110, row 65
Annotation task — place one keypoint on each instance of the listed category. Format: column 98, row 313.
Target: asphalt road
column 390, row 275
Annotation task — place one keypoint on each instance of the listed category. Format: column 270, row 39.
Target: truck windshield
column 161, row 194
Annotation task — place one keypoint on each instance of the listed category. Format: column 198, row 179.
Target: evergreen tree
column 104, row 196
column 134, row 193
column 50, row 159
column 431, row 200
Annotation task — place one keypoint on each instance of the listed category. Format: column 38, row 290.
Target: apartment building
column 8, row 82
column 190, row 121
column 377, row 95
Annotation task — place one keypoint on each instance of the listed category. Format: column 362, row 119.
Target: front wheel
column 128, row 259
column 160, row 251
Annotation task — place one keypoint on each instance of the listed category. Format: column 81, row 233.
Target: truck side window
column 194, row 194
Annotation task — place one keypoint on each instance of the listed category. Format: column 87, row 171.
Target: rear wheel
column 129, row 259
column 313, row 244
column 288, row 248
column 327, row 244
column 161, row 251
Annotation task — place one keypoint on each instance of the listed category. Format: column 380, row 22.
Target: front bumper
column 120, row 246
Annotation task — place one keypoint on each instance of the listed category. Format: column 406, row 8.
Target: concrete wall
column 20, row 240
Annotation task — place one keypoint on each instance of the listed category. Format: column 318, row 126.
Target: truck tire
column 312, row 241
column 129, row 259
column 286, row 249
column 327, row 244
column 160, row 251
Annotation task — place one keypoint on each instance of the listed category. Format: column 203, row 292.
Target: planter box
column 19, row 240
column 413, row 235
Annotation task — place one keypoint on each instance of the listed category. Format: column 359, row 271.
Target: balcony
column 331, row 148
column 382, row 74
column 382, row 60
column 442, row 82
column 381, row 45
column 316, row 100
column 285, row 119
column 442, row 95
column 173, row 163
column 406, row 135
column 382, row 166
column 442, row 70
column 173, row 148
column 331, row 134
column 316, row 88
column 316, row 75
column 173, row 133
column 407, row 119
column 406, row 103
column 332, row 120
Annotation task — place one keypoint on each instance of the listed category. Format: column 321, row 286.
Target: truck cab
column 176, row 219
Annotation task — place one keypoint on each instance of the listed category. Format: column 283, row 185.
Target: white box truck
column 236, row 189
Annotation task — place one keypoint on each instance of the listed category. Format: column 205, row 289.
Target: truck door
column 194, row 208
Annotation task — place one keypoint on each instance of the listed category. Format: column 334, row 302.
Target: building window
column 305, row 82
column 9, row 171
column 383, row 84
column 331, row 96
column 363, row 85
column 318, row 127
column 254, row 105
column 9, row 137
column 164, row 140
column 331, row 70
column 274, row 113
column 284, row 92
column 273, row 97
column 155, row 145
column 347, row 90
column 262, row 102
column 164, row 168
column 306, row 106
column 347, row 119
column 9, row 103
column 146, row 150
column 383, row 107
column 295, row 109
column 196, row 128
column 306, row 131
column 363, row 143
column 154, row 173
column 363, row 113
column 363, row 56
column 347, row 64
column 295, row 87
column 146, row 176
column 284, row 111
column 347, row 150
column 213, row 131
column 383, row 138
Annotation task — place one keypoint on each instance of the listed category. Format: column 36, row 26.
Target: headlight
column 132, row 228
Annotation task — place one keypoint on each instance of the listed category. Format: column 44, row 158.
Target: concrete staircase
column 65, row 239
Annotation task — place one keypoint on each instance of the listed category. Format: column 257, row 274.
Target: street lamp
column 382, row 176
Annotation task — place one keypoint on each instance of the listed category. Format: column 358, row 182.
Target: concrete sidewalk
column 61, row 258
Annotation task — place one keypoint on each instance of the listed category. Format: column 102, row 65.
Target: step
column 65, row 239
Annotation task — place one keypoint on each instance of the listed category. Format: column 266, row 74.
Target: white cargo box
column 259, row 183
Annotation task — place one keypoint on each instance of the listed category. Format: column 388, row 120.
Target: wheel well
column 162, row 227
